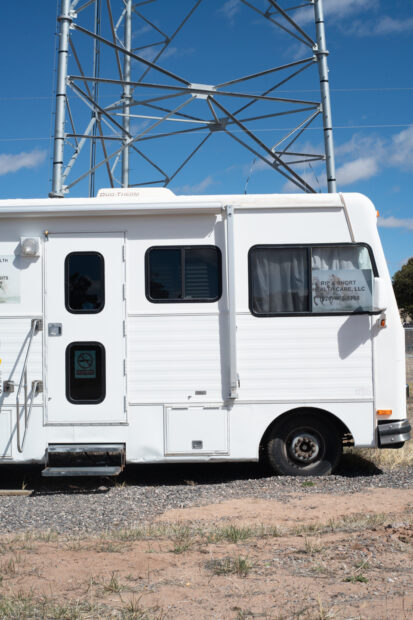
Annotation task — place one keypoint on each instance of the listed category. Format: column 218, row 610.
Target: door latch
column 54, row 329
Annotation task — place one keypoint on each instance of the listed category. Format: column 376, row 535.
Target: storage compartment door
column 196, row 430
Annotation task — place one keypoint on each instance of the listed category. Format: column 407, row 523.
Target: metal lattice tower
column 114, row 101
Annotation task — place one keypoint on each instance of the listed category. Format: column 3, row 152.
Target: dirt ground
column 316, row 556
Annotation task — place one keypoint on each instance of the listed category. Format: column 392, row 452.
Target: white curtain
column 341, row 257
column 279, row 280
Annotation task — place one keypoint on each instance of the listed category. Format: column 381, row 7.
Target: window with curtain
column 183, row 274
column 278, row 280
column 340, row 279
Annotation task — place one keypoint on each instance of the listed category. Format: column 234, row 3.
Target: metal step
column 81, row 471
column 84, row 459
column 80, row 448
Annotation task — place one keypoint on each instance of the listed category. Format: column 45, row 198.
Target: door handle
column 54, row 329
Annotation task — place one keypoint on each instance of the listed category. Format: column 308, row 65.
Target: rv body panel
column 167, row 369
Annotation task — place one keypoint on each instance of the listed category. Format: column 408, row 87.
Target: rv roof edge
column 25, row 208
column 170, row 204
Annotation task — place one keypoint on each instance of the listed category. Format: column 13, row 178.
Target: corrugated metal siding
column 172, row 357
column 297, row 358
column 304, row 358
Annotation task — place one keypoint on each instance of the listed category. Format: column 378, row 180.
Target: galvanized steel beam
column 117, row 115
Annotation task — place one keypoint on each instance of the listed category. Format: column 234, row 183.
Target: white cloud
column 388, row 25
column 336, row 10
column 358, row 159
column 13, row 163
column 368, row 155
column 360, row 146
column 230, row 8
column 142, row 30
column 149, row 53
column 357, row 170
column 256, row 166
column 137, row 126
column 401, row 150
column 310, row 178
column 177, row 52
column 196, row 189
column 384, row 25
column 396, row 222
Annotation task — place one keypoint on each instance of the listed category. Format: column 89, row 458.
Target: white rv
column 145, row 327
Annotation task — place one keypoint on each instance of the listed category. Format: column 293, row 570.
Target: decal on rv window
column 85, row 373
column 341, row 290
column 85, row 364
column 9, row 281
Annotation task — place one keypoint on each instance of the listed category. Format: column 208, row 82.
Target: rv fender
column 322, row 414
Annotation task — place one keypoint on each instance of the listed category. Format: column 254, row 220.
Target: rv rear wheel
column 304, row 445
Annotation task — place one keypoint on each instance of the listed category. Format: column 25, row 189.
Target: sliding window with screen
column 183, row 274
column 319, row 279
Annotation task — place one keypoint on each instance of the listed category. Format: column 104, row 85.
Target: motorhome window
column 278, row 280
column 165, row 274
column 84, row 282
column 85, row 373
column 342, row 279
column 183, row 274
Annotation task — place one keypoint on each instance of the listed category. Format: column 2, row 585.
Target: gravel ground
column 143, row 492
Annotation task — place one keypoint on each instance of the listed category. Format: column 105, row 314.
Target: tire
column 304, row 445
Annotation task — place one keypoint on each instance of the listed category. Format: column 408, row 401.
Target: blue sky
column 371, row 47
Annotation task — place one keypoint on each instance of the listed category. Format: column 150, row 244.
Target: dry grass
column 385, row 458
column 231, row 565
column 188, row 537
column 227, row 570
column 29, row 605
column 402, row 457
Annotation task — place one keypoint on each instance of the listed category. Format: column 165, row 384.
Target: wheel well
column 315, row 411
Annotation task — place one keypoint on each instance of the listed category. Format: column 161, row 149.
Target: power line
column 262, row 130
column 334, row 90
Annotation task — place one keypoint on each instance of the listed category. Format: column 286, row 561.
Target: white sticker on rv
column 9, row 281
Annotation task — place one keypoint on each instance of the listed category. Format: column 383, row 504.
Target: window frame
column 66, row 283
column 308, row 247
column 85, row 344
column 183, row 248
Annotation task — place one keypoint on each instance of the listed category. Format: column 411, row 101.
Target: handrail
column 232, row 316
column 37, row 325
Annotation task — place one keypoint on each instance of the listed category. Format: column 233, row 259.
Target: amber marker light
column 384, row 411
column 378, row 213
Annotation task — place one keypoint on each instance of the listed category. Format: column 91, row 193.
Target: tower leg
column 65, row 20
column 322, row 53
column 126, row 95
